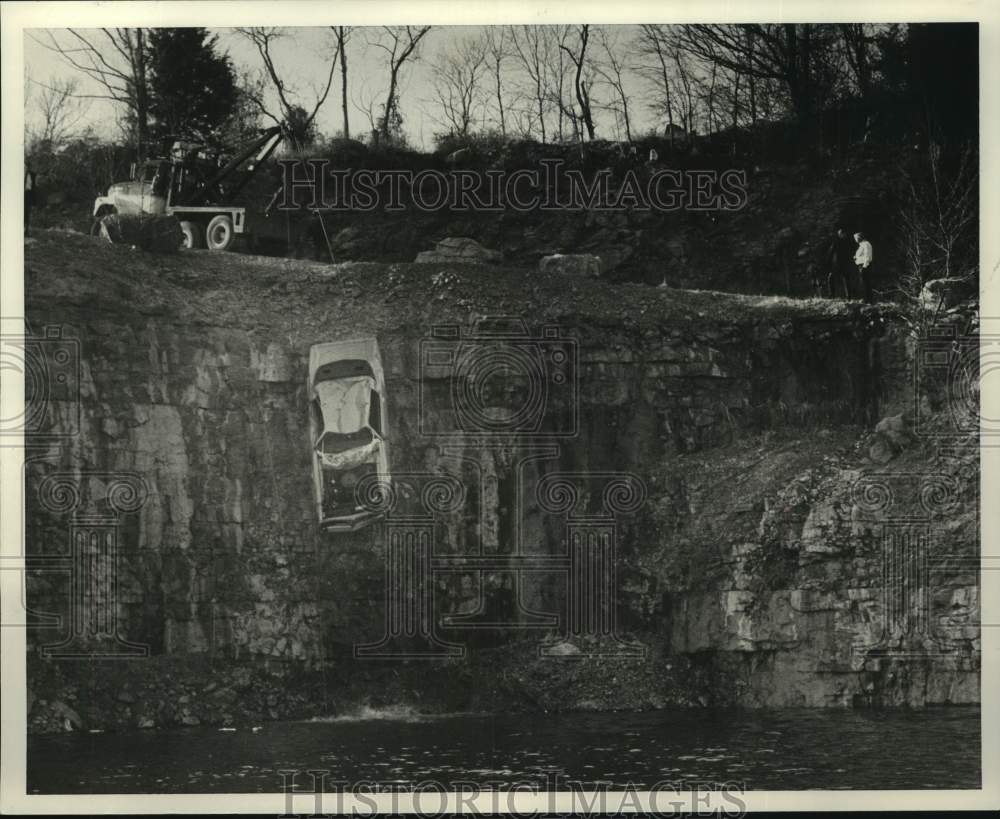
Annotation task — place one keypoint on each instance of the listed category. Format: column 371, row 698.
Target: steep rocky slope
column 774, row 244
column 749, row 571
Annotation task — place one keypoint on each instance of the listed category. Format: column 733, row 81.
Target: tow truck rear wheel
column 219, row 234
column 95, row 226
column 192, row 236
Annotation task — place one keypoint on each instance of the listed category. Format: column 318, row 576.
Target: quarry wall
column 186, row 445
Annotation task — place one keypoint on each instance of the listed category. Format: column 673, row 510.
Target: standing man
column 863, row 259
column 840, row 263
column 29, row 196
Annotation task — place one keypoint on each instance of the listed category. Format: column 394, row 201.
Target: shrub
column 75, row 172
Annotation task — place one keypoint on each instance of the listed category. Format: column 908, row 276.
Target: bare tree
column 751, row 78
column 497, row 45
column 940, row 210
column 687, row 105
column 785, row 52
column 531, row 46
column 612, row 70
column 521, row 120
column 858, row 39
column 708, row 95
column 580, row 84
column 58, row 108
column 296, row 117
column 245, row 120
column 559, row 70
column 343, row 33
column 937, row 225
column 117, row 60
column 736, row 99
column 458, row 73
column 724, row 103
column 669, row 69
column 366, row 102
column 653, row 42
column 400, row 43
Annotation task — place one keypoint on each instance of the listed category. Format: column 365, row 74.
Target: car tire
column 219, row 234
column 192, row 236
column 95, row 226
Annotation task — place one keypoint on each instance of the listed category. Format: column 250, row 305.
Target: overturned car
column 348, row 429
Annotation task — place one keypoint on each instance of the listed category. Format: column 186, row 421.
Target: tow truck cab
column 195, row 187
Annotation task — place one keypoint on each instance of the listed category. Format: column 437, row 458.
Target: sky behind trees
column 557, row 83
column 304, row 56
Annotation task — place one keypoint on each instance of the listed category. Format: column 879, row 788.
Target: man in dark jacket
column 30, row 180
column 841, row 265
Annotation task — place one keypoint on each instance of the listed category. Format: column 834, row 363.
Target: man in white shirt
column 863, row 257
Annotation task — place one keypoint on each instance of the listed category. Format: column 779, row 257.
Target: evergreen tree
column 193, row 89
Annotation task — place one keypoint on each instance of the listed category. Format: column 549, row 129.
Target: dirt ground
column 297, row 297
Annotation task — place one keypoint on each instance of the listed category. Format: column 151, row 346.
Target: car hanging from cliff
column 348, row 429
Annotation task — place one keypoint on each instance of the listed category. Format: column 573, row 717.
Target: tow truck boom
column 257, row 151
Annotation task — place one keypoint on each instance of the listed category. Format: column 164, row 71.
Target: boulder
column 459, row 250
column 461, row 155
column 896, row 429
column 70, row 719
column 562, row 649
column 892, row 434
column 614, row 256
column 571, row 264
column 348, row 240
column 946, row 293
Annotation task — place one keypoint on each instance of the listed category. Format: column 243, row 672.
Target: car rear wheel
column 192, row 235
column 219, row 234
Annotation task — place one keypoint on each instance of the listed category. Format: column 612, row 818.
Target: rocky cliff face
column 818, row 579
column 695, row 448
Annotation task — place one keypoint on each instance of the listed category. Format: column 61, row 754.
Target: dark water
column 767, row 750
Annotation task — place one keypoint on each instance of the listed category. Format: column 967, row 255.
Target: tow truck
column 193, row 185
